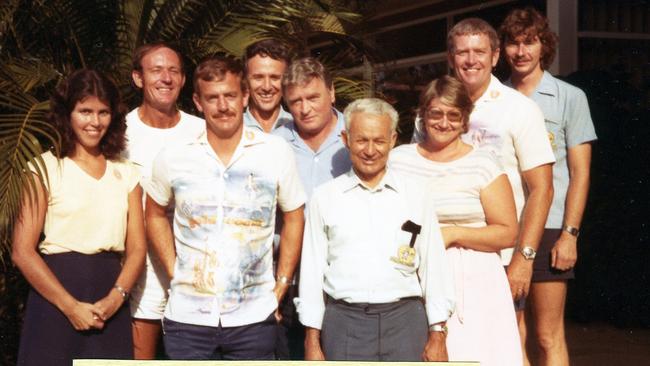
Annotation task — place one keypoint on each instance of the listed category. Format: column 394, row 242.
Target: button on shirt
column 315, row 168
column 223, row 226
column 283, row 118
column 352, row 242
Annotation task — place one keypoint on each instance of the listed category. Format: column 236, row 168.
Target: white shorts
column 149, row 295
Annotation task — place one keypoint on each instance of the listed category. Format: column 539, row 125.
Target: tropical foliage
column 42, row 41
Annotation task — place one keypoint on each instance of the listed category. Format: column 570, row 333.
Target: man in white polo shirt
column 225, row 185
column 157, row 122
column 514, row 126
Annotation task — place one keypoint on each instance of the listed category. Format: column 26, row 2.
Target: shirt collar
column 283, row 118
column 250, row 136
column 546, row 85
column 351, row 181
column 493, row 91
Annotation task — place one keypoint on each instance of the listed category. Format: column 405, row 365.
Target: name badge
column 406, row 253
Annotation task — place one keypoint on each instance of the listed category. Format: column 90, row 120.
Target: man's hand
column 436, row 348
column 520, row 271
column 313, row 350
column 279, row 291
column 565, row 253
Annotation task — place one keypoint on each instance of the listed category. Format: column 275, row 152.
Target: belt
column 373, row 307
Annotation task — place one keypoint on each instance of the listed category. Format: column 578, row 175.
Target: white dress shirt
column 351, row 244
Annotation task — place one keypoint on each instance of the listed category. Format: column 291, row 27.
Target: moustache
column 222, row 115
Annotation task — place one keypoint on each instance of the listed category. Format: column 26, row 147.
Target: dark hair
column 471, row 26
column 303, row 70
column 449, row 91
column 530, row 23
column 268, row 48
column 215, row 68
column 140, row 52
column 76, row 87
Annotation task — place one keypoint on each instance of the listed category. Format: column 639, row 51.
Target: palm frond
column 24, row 135
column 27, row 74
column 7, row 11
column 172, row 19
column 351, row 89
column 21, row 149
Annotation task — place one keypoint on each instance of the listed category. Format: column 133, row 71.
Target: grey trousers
column 374, row 332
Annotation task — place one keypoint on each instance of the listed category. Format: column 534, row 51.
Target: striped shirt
column 456, row 185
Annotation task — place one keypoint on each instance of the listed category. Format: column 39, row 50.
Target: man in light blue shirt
column 315, row 137
column 529, row 46
column 315, row 133
column 264, row 63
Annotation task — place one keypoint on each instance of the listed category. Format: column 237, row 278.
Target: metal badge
column 406, row 254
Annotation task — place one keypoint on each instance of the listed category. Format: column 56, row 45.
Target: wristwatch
column 571, row 230
column 438, row 328
column 528, row 253
column 121, row 291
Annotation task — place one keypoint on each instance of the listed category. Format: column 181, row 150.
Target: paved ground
column 595, row 344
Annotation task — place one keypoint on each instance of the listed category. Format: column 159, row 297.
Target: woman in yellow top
column 90, row 211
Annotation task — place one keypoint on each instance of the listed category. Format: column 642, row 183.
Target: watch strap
column 571, row 230
column 438, row 328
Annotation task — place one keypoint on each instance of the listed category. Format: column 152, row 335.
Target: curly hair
column 79, row 85
column 530, row 23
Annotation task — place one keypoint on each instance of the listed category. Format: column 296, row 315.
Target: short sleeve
column 49, row 167
column 530, row 137
column 134, row 174
column 580, row 127
column 158, row 187
column 291, row 194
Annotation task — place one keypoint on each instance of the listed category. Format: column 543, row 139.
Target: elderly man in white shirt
column 375, row 283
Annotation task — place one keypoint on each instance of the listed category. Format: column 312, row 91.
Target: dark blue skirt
column 48, row 337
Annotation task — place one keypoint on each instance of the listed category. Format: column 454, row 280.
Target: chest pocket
column 555, row 131
column 405, row 259
column 250, row 200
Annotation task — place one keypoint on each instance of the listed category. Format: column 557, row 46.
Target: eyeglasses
column 437, row 115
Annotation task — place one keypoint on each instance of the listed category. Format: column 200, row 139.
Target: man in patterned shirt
column 225, row 186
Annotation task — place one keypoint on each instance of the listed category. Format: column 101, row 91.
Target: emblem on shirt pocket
column 551, row 138
column 406, row 253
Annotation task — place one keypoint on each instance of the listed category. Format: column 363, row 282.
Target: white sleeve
column 531, row 142
column 310, row 304
column 158, row 187
column 291, row 194
column 436, row 276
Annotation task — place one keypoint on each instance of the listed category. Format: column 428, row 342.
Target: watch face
column 528, row 252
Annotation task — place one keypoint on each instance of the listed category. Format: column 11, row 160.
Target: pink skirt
column 483, row 327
